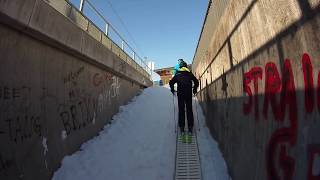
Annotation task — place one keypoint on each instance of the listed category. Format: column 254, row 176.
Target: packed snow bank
column 140, row 145
column 212, row 163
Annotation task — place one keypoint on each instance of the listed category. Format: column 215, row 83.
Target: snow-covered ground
column 140, row 144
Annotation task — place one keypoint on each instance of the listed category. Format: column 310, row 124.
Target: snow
column 212, row 163
column 140, row 144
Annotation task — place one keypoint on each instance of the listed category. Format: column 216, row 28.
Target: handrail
column 101, row 16
column 134, row 55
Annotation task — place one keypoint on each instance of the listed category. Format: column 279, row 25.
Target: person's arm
column 172, row 82
column 196, row 83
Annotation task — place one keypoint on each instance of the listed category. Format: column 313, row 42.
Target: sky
column 161, row 30
column 137, row 145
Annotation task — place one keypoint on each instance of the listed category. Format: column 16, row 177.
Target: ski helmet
column 182, row 63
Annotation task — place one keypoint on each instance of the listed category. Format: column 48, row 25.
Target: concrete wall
column 59, row 86
column 259, row 67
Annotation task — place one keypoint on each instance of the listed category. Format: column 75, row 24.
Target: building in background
column 166, row 74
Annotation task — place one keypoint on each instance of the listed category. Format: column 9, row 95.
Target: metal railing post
column 81, row 5
column 122, row 44
column 142, row 64
column 107, row 29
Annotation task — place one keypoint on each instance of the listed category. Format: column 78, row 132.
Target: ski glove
column 194, row 91
column 172, row 91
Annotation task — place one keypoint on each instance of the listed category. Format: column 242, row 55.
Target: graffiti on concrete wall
column 98, row 78
column 79, row 108
column 108, row 87
column 310, row 99
column 23, row 109
column 73, row 76
column 5, row 164
column 22, row 127
column 280, row 96
column 17, row 98
column 122, row 67
column 82, row 106
column 253, row 75
column 20, row 119
column 10, row 93
column 274, row 85
column 77, row 113
column 308, row 83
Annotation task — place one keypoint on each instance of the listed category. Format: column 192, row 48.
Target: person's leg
column 189, row 113
column 181, row 106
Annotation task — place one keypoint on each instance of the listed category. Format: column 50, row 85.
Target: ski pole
column 197, row 113
column 174, row 115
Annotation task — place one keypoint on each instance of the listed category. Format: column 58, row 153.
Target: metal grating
column 187, row 160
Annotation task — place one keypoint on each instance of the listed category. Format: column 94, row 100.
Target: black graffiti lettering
column 15, row 93
column 86, row 112
column 72, row 94
column 6, row 93
column 4, row 165
column 23, row 127
column 27, row 130
column 9, row 128
column 72, row 76
column 37, row 126
column 18, row 130
column 122, row 67
column 92, row 106
column 73, row 111
column 80, row 104
column 78, row 112
column 65, row 120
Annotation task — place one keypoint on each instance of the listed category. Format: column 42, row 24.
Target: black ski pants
column 185, row 101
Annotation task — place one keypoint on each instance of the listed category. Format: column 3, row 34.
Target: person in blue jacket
column 184, row 79
column 177, row 67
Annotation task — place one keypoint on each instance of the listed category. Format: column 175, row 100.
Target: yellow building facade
column 165, row 74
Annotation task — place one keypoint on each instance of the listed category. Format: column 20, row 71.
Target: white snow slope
column 140, row 144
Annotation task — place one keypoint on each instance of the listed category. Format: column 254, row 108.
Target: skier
column 177, row 67
column 184, row 78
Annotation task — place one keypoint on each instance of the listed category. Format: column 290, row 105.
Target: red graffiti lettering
column 280, row 94
column 278, row 137
column 288, row 97
column 308, row 83
column 254, row 74
column 246, row 81
column 98, row 79
column 108, row 76
column 272, row 88
column 286, row 163
column 287, row 134
column 313, row 153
